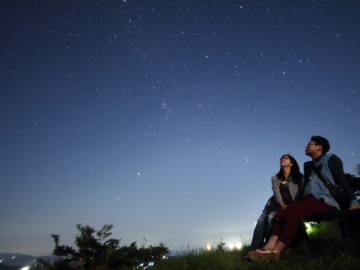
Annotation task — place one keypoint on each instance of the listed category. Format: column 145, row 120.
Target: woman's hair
column 294, row 171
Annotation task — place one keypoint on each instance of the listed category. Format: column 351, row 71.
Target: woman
column 287, row 186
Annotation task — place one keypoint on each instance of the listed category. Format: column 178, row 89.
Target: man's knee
column 294, row 217
column 277, row 218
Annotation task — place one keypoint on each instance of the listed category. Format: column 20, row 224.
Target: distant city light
column 237, row 246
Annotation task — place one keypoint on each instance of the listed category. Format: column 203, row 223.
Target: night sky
column 165, row 118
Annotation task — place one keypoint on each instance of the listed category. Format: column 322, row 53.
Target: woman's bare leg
column 279, row 246
column 271, row 244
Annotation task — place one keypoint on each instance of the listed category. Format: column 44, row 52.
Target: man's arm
column 336, row 168
column 308, row 170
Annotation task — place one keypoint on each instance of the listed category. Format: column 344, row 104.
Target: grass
column 324, row 250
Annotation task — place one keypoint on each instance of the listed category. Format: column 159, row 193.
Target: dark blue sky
column 165, row 118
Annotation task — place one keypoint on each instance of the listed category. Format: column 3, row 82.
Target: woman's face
column 285, row 161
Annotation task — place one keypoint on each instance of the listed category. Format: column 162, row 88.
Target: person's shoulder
column 274, row 178
column 332, row 156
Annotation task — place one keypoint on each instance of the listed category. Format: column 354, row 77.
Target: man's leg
column 278, row 221
column 298, row 214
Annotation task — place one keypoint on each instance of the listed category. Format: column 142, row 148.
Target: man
column 316, row 198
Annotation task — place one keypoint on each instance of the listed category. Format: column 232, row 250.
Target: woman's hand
column 283, row 205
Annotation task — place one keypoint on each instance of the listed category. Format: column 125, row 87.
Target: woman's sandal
column 263, row 249
column 264, row 255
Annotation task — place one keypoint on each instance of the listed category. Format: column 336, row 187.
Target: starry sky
column 165, row 118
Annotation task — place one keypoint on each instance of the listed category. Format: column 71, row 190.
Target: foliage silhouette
column 96, row 251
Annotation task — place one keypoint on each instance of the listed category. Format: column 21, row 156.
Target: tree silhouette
column 98, row 252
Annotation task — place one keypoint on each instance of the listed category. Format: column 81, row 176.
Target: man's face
column 311, row 148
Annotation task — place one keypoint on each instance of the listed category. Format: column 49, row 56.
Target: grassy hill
column 324, row 250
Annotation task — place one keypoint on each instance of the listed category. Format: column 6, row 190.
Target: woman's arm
column 296, row 188
column 275, row 184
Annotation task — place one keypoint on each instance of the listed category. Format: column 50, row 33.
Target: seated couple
column 296, row 198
